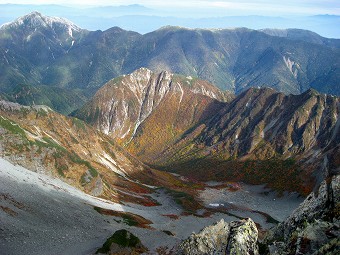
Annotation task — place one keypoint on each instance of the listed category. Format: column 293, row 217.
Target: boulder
column 237, row 237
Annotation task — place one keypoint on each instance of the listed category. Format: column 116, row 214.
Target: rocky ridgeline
column 232, row 59
column 121, row 106
column 313, row 228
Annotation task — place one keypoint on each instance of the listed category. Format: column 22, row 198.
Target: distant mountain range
column 144, row 20
column 53, row 53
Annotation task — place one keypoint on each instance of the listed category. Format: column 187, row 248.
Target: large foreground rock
column 238, row 237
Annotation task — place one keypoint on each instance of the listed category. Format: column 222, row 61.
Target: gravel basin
column 251, row 201
column 41, row 215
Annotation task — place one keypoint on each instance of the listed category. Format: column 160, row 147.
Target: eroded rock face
column 238, row 237
column 243, row 238
column 318, row 205
column 124, row 103
column 211, row 240
column 313, row 228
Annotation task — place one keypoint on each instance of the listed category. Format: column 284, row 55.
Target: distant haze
column 322, row 17
column 236, row 7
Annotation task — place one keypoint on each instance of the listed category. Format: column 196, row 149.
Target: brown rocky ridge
column 259, row 136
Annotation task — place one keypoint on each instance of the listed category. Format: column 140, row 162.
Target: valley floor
column 43, row 215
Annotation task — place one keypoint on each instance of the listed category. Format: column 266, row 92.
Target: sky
column 248, row 7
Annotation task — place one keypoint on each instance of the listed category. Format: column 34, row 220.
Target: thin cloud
column 308, row 7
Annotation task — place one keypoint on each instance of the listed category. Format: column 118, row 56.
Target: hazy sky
column 304, row 7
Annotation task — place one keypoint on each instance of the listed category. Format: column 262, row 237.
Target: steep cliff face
column 151, row 109
column 313, row 228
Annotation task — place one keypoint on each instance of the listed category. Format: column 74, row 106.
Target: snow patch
column 215, row 205
column 110, row 163
column 23, row 175
column 182, row 93
column 291, row 65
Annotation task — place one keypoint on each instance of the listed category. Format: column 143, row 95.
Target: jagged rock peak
column 237, row 237
column 121, row 105
column 35, row 20
column 313, row 228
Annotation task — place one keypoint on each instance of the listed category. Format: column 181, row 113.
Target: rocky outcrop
column 122, row 242
column 239, row 237
column 211, row 240
column 243, row 238
column 314, row 227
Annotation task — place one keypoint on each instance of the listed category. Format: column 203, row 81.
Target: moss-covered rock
column 122, row 242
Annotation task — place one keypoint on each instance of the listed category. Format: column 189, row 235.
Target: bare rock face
column 243, row 238
column 124, row 103
column 318, row 205
column 211, row 240
column 314, row 227
column 238, row 237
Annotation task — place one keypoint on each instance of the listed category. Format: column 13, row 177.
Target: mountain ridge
column 132, row 98
column 260, row 125
column 230, row 59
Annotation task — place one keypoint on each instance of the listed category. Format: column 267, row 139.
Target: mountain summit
column 124, row 103
column 35, row 21
column 36, row 49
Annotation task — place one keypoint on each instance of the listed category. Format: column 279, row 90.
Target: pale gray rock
column 237, row 237
column 243, row 238
column 98, row 187
column 211, row 240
